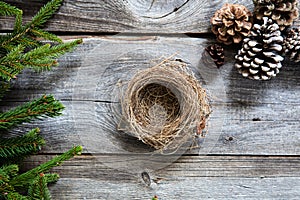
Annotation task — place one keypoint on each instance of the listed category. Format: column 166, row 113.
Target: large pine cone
column 231, row 23
column 284, row 12
column 292, row 44
column 259, row 57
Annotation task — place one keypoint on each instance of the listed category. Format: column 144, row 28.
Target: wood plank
column 275, row 134
column 96, row 166
column 99, row 55
column 191, row 177
column 256, row 117
column 193, row 188
column 157, row 16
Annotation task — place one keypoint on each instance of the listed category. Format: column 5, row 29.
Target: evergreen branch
column 8, row 10
column 39, row 59
column 27, row 177
column 18, row 22
column 13, row 38
column 52, row 177
column 43, row 58
column 45, row 13
column 45, row 35
column 38, row 189
column 9, row 170
column 19, row 147
column 16, row 196
column 7, row 173
column 45, row 106
column 10, row 65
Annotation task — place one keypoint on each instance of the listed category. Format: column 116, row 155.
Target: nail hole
column 146, row 178
column 229, row 138
column 256, row 119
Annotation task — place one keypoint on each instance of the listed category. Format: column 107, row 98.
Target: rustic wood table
column 256, row 153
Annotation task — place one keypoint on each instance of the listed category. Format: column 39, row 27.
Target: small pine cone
column 292, row 44
column 284, row 12
column 217, row 53
column 231, row 23
column 259, row 57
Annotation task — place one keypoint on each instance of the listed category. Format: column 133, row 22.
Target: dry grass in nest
column 165, row 105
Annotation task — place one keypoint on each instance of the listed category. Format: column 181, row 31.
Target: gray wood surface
column 191, row 177
column 251, row 150
column 133, row 16
column 258, row 118
column 84, row 82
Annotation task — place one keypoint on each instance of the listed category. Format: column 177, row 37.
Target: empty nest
column 165, row 105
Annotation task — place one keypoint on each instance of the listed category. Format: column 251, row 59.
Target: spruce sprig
column 38, row 188
column 21, row 146
column 21, row 49
column 8, row 10
column 45, row 106
column 27, row 177
column 34, row 180
column 28, row 46
column 45, row 13
column 40, row 58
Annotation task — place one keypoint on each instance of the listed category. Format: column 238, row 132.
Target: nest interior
column 164, row 105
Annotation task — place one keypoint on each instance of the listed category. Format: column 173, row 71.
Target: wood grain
column 252, row 147
column 253, row 118
column 191, row 188
column 157, row 16
column 191, row 177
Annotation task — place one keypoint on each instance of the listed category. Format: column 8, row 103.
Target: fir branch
column 45, row 13
column 8, row 10
column 19, row 147
column 7, row 173
column 44, row 57
column 27, row 177
column 52, row 177
column 38, row 189
column 32, row 27
column 45, row 106
column 13, row 39
column 10, row 170
column 16, row 196
column 39, row 33
column 39, row 59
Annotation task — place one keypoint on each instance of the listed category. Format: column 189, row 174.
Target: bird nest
column 165, row 105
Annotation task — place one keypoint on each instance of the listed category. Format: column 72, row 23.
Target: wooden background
column 257, row 151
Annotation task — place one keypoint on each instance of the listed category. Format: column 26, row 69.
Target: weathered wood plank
column 256, row 117
column 157, row 16
column 239, row 134
column 192, row 188
column 191, row 177
column 95, row 167
column 97, row 56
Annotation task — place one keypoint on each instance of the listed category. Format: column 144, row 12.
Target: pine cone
column 259, row 57
column 217, row 53
column 231, row 23
column 284, row 12
column 292, row 44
